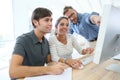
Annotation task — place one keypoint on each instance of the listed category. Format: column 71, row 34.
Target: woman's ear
column 56, row 30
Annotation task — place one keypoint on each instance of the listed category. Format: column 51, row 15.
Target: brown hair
column 59, row 19
column 66, row 8
column 39, row 13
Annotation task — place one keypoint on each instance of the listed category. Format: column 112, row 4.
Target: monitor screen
column 107, row 43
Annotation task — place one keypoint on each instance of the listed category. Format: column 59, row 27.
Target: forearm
column 25, row 71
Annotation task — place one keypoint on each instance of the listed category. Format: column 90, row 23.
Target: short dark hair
column 66, row 8
column 39, row 13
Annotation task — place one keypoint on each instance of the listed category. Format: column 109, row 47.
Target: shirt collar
column 79, row 17
column 35, row 39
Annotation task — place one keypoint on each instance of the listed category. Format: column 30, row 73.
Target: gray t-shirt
column 31, row 49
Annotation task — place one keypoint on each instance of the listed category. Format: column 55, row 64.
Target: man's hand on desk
column 56, row 68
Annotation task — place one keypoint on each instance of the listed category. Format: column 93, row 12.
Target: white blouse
column 59, row 50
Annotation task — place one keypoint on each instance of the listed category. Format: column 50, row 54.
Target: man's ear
column 35, row 22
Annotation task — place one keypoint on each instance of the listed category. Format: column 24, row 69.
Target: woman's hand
column 87, row 51
column 74, row 63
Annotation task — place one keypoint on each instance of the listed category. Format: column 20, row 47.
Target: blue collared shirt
column 84, row 27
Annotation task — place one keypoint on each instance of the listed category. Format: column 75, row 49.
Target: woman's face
column 62, row 27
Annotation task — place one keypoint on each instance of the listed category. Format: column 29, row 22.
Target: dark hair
column 58, row 21
column 66, row 8
column 39, row 13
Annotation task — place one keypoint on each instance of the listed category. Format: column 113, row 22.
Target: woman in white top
column 62, row 44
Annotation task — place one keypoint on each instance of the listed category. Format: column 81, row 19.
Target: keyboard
column 87, row 60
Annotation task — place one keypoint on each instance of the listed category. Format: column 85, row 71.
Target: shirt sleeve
column 84, row 43
column 79, row 43
column 76, row 45
column 53, row 49
column 87, row 19
column 19, row 47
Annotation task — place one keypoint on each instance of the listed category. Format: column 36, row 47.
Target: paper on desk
column 66, row 75
column 117, row 57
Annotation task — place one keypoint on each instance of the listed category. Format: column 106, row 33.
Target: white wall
column 6, row 21
column 22, row 10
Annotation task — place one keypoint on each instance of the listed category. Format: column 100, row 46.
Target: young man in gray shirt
column 31, row 50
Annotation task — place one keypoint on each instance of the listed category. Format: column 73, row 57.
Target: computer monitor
column 108, row 41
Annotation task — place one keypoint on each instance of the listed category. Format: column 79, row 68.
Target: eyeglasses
column 71, row 15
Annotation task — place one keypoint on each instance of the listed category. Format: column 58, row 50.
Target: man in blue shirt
column 85, row 24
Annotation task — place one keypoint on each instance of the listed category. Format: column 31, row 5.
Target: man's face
column 72, row 15
column 45, row 25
